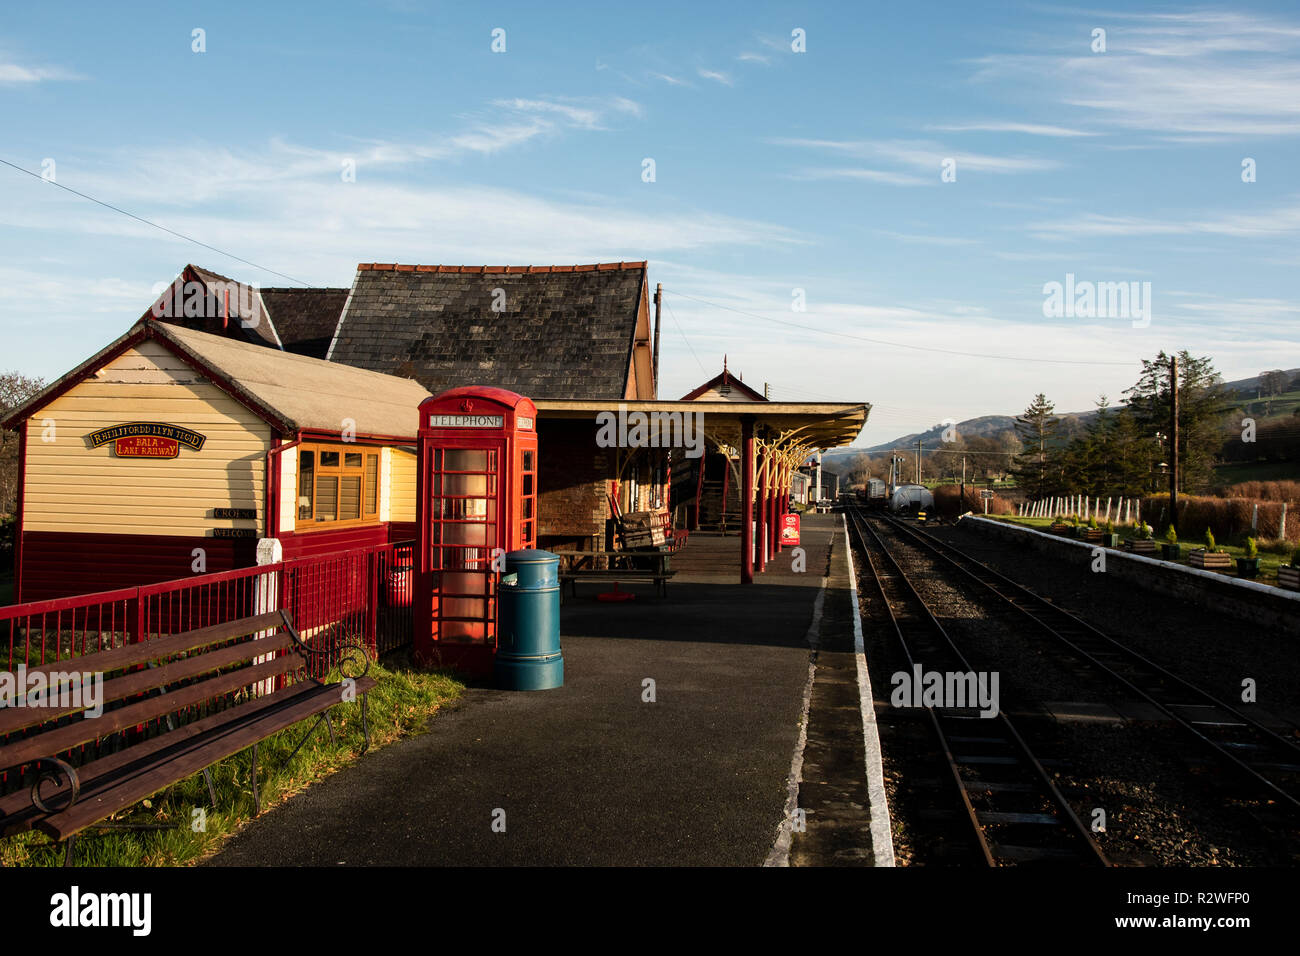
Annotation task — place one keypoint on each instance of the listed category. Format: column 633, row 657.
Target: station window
column 337, row 486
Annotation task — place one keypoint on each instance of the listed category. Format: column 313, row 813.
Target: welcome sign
column 147, row 439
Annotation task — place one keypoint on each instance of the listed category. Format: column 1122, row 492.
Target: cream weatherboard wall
column 402, row 470
column 71, row 487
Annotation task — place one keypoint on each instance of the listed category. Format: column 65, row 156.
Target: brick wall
column 571, row 483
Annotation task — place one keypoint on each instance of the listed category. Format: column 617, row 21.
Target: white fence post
column 266, row 596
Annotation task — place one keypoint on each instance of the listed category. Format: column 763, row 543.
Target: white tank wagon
column 911, row 498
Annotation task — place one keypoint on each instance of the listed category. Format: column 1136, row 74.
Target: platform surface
column 590, row 774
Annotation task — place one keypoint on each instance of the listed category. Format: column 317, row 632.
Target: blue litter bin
column 528, row 634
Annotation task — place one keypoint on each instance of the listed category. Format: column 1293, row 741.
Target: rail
column 1004, row 790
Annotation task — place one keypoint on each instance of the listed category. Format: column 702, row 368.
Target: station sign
column 986, row 493
column 466, row 421
column 147, row 439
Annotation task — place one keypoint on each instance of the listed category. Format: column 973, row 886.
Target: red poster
column 789, row 530
column 147, row 446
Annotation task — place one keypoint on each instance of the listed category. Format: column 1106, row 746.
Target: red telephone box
column 476, row 500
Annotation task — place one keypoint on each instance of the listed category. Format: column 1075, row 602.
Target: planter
column 1209, row 560
column 1248, row 567
column 1110, row 540
column 1288, row 576
column 1093, row 535
column 1141, row 546
column 1171, row 552
column 1062, row 529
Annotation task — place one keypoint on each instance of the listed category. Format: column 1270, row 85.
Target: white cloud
column 719, row 77
column 869, row 175
column 670, row 80
column 755, row 58
column 1284, row 220
column 926, row 156
column 12, row 74
column 1203, row 74
column 1031, row 129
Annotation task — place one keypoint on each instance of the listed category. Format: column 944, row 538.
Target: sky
column 851, row 202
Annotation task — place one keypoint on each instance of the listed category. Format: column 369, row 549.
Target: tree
column 14, row 390
column 1200, row 393
column 1033, row 466
column 1109, row 458
column 1272, row 384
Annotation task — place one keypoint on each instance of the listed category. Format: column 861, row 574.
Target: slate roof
column 305, row 319
column 564, row 332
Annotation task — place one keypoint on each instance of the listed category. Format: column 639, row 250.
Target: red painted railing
column 358, row 595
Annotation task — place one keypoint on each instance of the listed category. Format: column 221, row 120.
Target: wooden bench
column 658, row 573
column 242, row 688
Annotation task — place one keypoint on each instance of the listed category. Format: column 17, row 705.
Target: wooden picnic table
column 653, row 567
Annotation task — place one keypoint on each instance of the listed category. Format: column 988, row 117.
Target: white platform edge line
column 882, row 840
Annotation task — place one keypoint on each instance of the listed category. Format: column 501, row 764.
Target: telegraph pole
column 918, row 461
column 1173, row 441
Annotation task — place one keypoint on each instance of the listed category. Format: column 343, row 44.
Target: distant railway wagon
column 911, row 498
column 876, row 490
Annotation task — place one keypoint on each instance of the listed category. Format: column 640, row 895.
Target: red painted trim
column 746, row 499
column 315, row 435
column 760, row 533
column 274, row 477
column 330, row 540
column 58, row 564
column 18, row 527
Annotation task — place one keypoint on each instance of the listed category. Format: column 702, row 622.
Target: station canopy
column 807, row 425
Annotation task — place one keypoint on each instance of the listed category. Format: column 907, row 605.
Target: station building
column 223, row 416
column 169, row 440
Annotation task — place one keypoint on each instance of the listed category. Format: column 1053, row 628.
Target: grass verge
column 185, row 826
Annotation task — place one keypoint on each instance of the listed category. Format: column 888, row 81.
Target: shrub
column 1263, row 491
column 1230, row 518
column 1110, row 526
column 1092, row 521
column 948, row 502
column 1209, row 541
column 1252, row 548
column 1171, row 535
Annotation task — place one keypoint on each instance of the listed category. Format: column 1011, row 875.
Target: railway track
column 1266, row 760
column 1017, row 815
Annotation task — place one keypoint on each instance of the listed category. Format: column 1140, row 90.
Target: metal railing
column 361, row 594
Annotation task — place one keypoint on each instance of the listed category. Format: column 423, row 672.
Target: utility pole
column 918, row 461
column 1173, row 441
column 963, row 483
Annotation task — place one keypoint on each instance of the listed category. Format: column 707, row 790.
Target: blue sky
column 775, row 170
